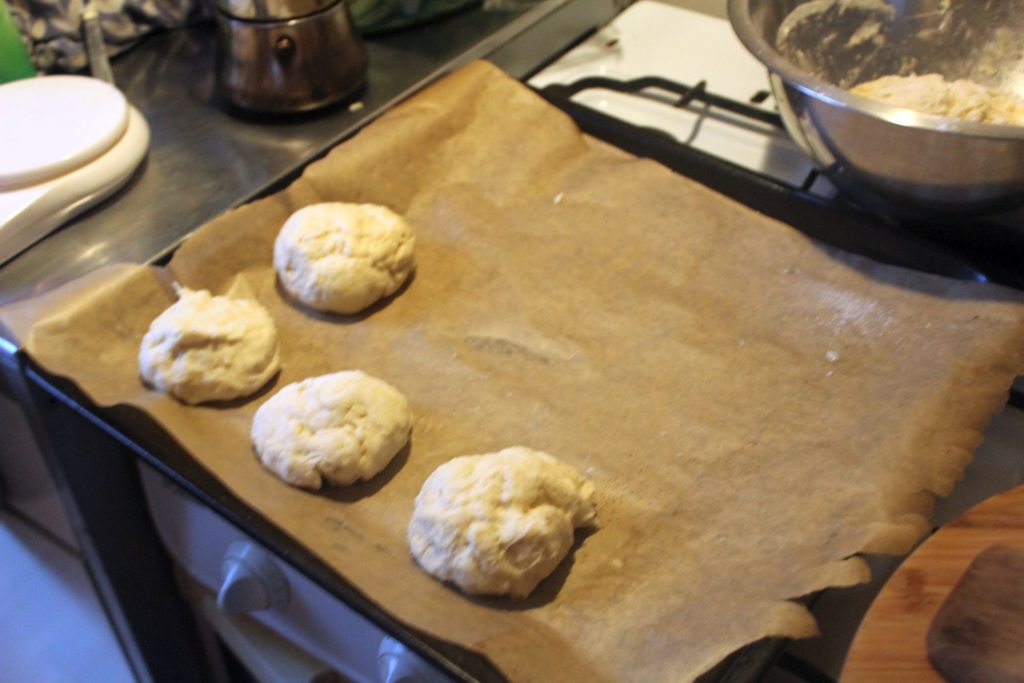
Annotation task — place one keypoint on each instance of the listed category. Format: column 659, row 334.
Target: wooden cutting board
column 978, row 634
column 891, row 643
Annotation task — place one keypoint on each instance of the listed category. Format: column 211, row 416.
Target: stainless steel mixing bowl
column 894, row 160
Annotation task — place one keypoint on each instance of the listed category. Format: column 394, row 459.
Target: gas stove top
column 683, row 48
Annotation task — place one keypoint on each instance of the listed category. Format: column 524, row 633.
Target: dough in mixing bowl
column 932, row 94
column 340, row 427
column 341, row 258
column 209, row 348
column 499, row 523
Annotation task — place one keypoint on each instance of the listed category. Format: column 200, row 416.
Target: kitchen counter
column 205, row 158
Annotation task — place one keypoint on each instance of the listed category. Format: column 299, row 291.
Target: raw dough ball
column 340, row 427
column 209, row 348
column 499, row 523
column 932, row 94
column 341, row 258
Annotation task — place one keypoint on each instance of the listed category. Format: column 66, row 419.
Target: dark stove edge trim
column 117, row 600
column 119, row 420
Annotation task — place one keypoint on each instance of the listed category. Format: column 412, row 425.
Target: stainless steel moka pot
column 287, row 55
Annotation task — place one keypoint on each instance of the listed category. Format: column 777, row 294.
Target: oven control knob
column 398, row 664
column 252, row 580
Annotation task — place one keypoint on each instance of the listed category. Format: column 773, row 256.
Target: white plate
column 27, row 214
column 53, row 124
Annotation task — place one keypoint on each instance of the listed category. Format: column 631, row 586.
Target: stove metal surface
column 206, row 157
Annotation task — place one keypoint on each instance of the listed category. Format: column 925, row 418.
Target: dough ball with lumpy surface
column 209, row 348
column 497, row 524
column 340, row 427
column 341, row 258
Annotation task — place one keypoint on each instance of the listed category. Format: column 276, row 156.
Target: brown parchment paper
column 752, row 407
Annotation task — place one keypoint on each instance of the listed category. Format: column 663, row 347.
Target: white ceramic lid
column 29, row 213
column 52, row 124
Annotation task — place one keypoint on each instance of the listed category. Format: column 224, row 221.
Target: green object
column 14, row 61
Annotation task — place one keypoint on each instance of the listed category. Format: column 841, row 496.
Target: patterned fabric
column 53, row 28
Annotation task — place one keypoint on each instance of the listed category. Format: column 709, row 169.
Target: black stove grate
column 974, row 248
